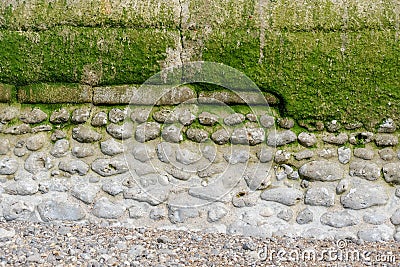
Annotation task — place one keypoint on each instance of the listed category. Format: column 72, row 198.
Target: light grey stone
column 60, row 148
column 181, row 214
column 215, row 192
column 109, row 167
column 153, row 195
column 286, row 196
column 104, row 208
column 6, row 233
column 8, row 114
column 209, row 152
column 99, row 119
column 147, row 131
column 51, row 210
column 397, row 192
column 80, row 115
column 186, row 117
column 319, row 196
column 187, row 157
column 112, row 188
column 362, row 195
column 197, row 135
column 84, row 134
column 387, row 154
column 220, row 137
column 33, row 116
column 206, row 118
column 305, row 216
column 117, row 115
column 304, row 154
column 285, row 214
column 344, row 154
column 36, row 142
column 57, row 135
column 364, row 153
column 38, row 162
column 136, row 212
column 333, row 126
column 233, row 119
column 4, row 146
column 267, row 121
column 388, row 126
column 286, row 123
column 216, row 212
column 376, row 234
column 240, row 136
column 307, row 139
column 237, row 156
column 23, row 187
column 251, row 117
column 178, row 173
column 361, row 138
column 391, row 173
column 82, row 151
column 339, row 139
column 59, row 116
column 165, row 116
column 42, row 128
column 8, row 166
column 158, row 213
column 375, row 218
column 121, row 132
column 245, row 199
column 20, row 149
column 343, row 186
column 395, row 218
column 265, row 154
column 54, row 185
column 281, row 138
column 142, row 153
column 282, row 156
column 172, row 134
column 18, row 129
column 364, row 169
column 85, row 192
column 74, row 167
column 165, row 152
column 321, row 171
column 140, row 115
column 18, row 210
column 111, row 147
column 339, row 219
column 248, row 136
column 327, row 153
column 386, row 140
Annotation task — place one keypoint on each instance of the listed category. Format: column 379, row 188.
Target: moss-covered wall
column 325, row 59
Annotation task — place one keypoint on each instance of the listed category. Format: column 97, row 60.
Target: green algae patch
column 83, row 55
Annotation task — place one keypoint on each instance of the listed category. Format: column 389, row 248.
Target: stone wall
column 199, row 166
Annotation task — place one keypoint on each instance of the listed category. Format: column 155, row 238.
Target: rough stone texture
column 286, row 196
column 165, row 116
column 84, row 134
column 344, row 155
column 362, row 196
column 305, row 216
column 389, row 126
column 140, row 115
column 197, row 135
column 111, row 147
column 217, row 212
column 8, row 166
column 74, row 167
column 82, row 151
column 207, row 118
column 104, row 208
column 387, row 154
column 286, row 214
column 109, row 167
column 8, row 113
column 117, row 115
column 234, row 119
column 85, row 192
column 375, row 218
column 319, row 196
column 23, row 187
column 172, row 134
column 38, row 162
column 80, row 115
column 251, row 136
column 376, row 234
column 121, row 132
column 386, row 140
column 60, row 116
column 267, row 121
column 36, row 142
column 307, row 139
column 60, row 148
column 364, row 153
column 55, row 93
column 339, row 139
column 304, row 154
column 99, row 119
column 186, row 117
column 395, row 218
column 147, row 131
column 18, row 129
column 391, row 173
column 33, row 116
column 365, row 169
column 281, row 138
column 265, row 155
column 220, row 137
column 4, row 146
column 153, row 195
column 56, row 210
column 321, row 171
column 237, row 156
column 339, row 219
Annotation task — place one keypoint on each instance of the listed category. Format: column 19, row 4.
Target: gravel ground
column 35, row 244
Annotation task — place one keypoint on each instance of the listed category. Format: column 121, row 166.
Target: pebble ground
column 38, row 244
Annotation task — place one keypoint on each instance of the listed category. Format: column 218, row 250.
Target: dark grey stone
column 339, row 139
column 109, row 167
column 248, row 136
column 282, row 156
column 165, row 116
column 18, row 129
column 286, row 123
column 286, row 196
column 333, row 126
column 321, row 171
column 121, row 132
column 84, row 134
column 8, row 113
column 339, row 219
column 387, row 154
column 42, row 128
column 265, row 155
column 57, row 135
column 51, row 210
column 35, row 142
